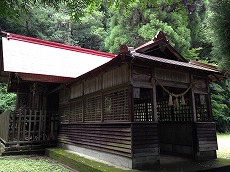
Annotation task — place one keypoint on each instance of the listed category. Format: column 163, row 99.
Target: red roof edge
column 56, row 45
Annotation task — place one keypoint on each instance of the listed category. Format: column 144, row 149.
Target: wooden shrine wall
column 145, row 143
column 205, row 142
column 111, row 138
column 95, row 114
column 100, row 98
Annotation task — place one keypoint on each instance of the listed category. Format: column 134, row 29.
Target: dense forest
column 199, row 29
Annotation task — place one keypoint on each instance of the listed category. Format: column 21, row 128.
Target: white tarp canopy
column 26, row 57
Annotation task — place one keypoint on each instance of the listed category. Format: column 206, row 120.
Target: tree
column 221, row 104
column 138, row 25
column 219, row 31
column 7, row 100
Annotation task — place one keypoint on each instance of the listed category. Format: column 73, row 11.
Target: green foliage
column 7, row 100
column 219, row 31
column 137, row 25
column 90, row 32
column 220, row 98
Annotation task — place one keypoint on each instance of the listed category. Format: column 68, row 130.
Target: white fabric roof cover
column 25, row 57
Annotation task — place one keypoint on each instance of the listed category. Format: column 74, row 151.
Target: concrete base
column 144, row 162
column 104, row 157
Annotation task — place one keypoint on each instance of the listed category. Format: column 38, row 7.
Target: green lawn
column 223, row 146
column 29, row 163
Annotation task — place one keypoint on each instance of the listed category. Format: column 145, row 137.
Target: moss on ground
column 80, row 163
column 29, row 163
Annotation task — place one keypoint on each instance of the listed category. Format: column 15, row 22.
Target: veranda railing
column 27, row 126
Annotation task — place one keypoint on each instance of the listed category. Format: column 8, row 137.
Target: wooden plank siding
column 4, row 126
column 206, row 136
column 145, row 141
column 111, row 138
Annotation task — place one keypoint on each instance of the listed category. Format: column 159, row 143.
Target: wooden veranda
column 28, row 130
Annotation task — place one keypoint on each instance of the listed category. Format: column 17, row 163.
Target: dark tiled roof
column 176, row 63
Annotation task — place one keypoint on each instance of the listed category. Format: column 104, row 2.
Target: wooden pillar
column 154, row 104
column 102, row 107
column 154, row 98
column 193, row 104
column 209, row 105
column 131, row 103
column 130, row 93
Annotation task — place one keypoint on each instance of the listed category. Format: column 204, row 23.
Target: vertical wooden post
column 40, row 125
column 130, row 93
column 193, row 104
column 44, row 125
column 131, row 103
column 154, row 98
column 19, row 126
column 194, row 119
column 35, row 124
column 24, row 126
column 209, row 105
column 102, row 107
column 13, row 125
column 29, row 130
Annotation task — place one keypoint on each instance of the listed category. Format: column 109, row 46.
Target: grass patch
column 223, row 146
column 80, row 163
column 29, row 163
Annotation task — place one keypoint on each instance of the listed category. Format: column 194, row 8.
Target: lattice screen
column 116, row 105
column 64, row 112
column 171, row 113
column 93, row 108
column 202, row 113
column 143, row 105
column 76, row 111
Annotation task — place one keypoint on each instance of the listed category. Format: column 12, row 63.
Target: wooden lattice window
column 64, row 112
column 93, row 108
column 171, row 113
column 142, row 104
column 76, row 111
column 116, row 105
column 202, row 113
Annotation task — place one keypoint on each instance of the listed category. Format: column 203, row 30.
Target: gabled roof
column 131, row 56
column 214, row 74
column 159, row 46
column 36, row 59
